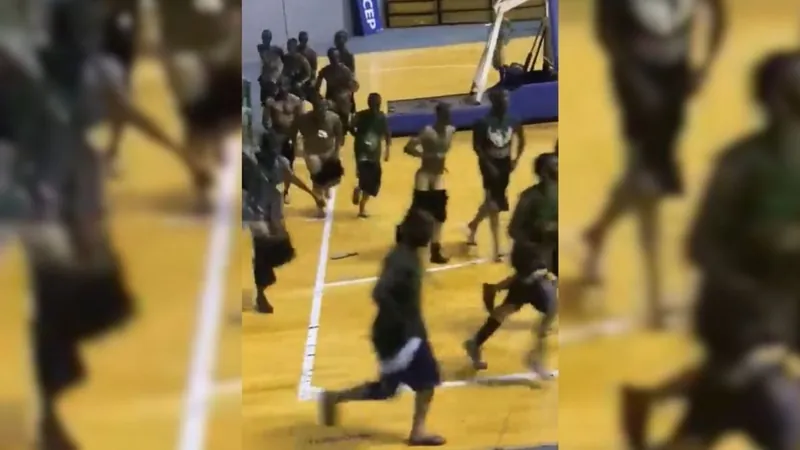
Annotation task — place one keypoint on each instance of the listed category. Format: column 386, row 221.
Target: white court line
column 366, row 280
column 209, row 315
column 310, row 349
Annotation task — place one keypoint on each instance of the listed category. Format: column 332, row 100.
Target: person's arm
column 318, row 84
column 387, row 136
column 354, row 86
column 519, row 133
column 338, row 131
column 718, row 29
column 478, row 139
column 709, row 243
column 516, row 227
column 313, row 61
column 266, row 114
column 413, row 147
column 354, row 125
column 306, row 69
column 121, row 107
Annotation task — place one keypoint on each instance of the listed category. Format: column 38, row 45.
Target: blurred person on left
column 53, row 90
column 746, row 243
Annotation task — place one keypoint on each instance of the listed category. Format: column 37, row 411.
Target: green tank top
column 369, row 133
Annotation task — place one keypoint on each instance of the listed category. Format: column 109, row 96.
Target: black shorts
column 496, row 185
column 539, row 294
column 270, row 253
column 218, row 108
column 329, row 175
column 280, row 143
column 654, row 133
column 369, row 177
column 83, row 306
column 421, row 374
column 765, row 409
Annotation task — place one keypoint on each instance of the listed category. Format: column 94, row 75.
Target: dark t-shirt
column 398, row 296
column 750, row 222
column 369, row 132
column 494, row 135
column 536, row 214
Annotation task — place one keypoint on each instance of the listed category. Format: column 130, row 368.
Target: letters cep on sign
column 369, row 14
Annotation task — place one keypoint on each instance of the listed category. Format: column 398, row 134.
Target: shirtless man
column 430, row 194
column 271, row 66
column 323, row 136
column 278, row 118
column 340, row 84
column 492, row 140
column 340, row 43
column 309, row 53
column 746, row 245
column 648, row 45
column 297, row 70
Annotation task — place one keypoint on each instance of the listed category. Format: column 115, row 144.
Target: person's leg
column 546, row 302
column 517, row 296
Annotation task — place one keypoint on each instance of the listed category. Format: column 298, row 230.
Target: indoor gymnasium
column 170, row 379
column 318, row 336
column 599, row 351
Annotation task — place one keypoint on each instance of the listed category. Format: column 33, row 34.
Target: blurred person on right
column 746, row 243
column 649, row 46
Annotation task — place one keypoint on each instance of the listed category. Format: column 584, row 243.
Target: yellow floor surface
column 273, row 347
column 593, row 366
column 138, row 376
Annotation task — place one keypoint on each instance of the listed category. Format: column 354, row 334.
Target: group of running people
column 399, row 334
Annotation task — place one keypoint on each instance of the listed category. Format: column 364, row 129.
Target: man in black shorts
column 648, row 44
column 492, row 140
column 399, row 335
column 370, row 129
column 534, row 229
column 746, row 244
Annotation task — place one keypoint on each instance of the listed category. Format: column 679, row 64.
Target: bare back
column 435, row 147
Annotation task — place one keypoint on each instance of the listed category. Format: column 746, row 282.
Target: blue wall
column 286, row 18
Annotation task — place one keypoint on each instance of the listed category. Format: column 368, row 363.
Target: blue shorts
column 421, row 374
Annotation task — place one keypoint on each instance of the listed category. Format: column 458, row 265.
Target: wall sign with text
column 369, row 17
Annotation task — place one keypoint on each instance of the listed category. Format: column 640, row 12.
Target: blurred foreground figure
column 54, row 85
column 746, row 243
column 201, row 43
column 648, row 43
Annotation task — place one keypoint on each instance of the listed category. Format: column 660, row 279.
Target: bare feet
column 426, row 440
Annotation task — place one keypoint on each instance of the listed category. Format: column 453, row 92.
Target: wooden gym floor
column 593, row 366
column 139, row 376
column 328, row 347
